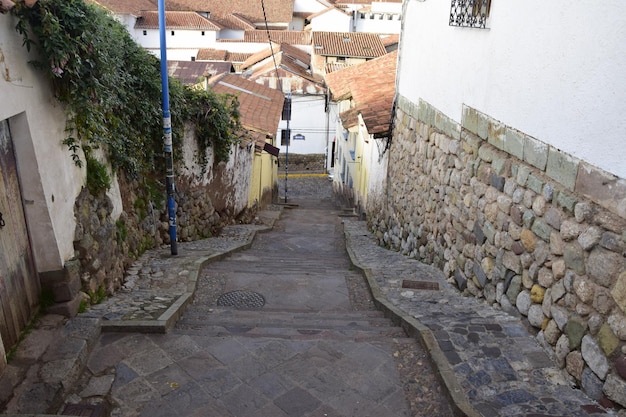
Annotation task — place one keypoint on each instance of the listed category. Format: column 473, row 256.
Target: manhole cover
column 242, row 300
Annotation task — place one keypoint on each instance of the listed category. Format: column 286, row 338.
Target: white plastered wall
column 49, row 179
column 309, row 119
column 553, row 70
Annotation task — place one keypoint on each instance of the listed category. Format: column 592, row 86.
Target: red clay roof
column 292, row 37
column 260, row 107
column 238, row 56
column 176, row 20
column 280, row 50
column 372, row 87
column 277, row 11
column 233, row 21
column 193, row 72
column 134, row 7
column 211, row 54
column 348, row 44
column 390, row 40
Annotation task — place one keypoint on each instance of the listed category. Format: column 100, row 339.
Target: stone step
column 289, row 324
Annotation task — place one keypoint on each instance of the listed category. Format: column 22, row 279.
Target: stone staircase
column 292, row 325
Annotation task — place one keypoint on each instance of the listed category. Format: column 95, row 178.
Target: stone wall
column 105, row 246
column 303, row 163
column 519, row 224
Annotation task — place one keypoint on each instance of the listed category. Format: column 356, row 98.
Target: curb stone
column 60, row 364
column 414, row 328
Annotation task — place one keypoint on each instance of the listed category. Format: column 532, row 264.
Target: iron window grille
column 470, row 13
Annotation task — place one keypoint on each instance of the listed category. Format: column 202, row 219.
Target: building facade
column 503, row 169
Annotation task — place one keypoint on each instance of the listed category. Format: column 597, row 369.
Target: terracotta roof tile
column 257, row 57
column 336, row 66
column 280, row 50
column 348, row 44
column 390, row 40
column 176, row 20
column 292, row 37
column 211, row 54
column 238, row 56
column 371, row 85
column 233, row 21
column 260, row 107
column 133, row 7
column 277, row 11
column 193, row 72
column 349, row 118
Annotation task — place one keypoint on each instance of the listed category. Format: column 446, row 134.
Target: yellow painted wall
column 264, row 177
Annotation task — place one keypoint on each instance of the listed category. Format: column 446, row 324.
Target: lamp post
column 167, row 133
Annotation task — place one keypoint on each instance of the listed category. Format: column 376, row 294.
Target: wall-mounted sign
column 298, row 137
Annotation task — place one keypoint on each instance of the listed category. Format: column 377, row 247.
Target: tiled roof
column 134, row 7
column 390, row 40
column 193, row 72
column 238, row 56
column 348, row 44
column 292, row 37
column 280, row 50
column 260, row 107
column 257, row 57
column 277, row 11
column 176, row 20
column 336, row 66
column 372, row 88
column 349, row 118
column 211, row 54
column 233, row 21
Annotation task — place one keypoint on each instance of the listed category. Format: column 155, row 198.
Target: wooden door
column 19, row 285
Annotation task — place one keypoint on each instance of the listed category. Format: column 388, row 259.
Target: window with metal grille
column 470, row 13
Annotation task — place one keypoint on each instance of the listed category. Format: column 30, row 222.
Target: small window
column 145, row 32
column 193, row 58
column 472, row 13
column 172, row 33
column 202, row 33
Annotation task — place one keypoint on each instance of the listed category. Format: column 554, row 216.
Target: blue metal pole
column 167, row 133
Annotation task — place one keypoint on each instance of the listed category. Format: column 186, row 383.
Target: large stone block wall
column 518, row 223
column 105, row 245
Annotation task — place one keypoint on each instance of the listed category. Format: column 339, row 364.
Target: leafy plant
column 98, row 179
column 112, row 88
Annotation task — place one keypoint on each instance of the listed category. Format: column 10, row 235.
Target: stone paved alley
column 285, row 326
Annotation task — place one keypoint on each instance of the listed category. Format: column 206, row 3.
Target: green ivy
column 98, row 179
column 111, row 87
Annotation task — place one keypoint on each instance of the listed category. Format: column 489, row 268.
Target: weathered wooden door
column 19, row 285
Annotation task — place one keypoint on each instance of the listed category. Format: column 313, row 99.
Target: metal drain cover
column 242, row 300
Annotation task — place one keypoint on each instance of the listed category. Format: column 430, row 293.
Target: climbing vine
column 112, row 90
